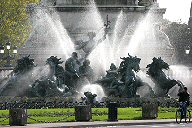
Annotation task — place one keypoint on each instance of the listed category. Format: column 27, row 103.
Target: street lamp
column 8, row 58
column 15, row 49
column 187, row 50
column 1, row 49
column 8, row 45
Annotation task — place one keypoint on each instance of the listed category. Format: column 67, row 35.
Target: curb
column 102, row 124
column 95, row 124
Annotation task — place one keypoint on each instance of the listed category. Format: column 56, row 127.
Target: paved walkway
column 94, row 124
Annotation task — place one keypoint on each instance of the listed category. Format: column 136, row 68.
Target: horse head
column 157, row 66
column 134, row 63
column 53, row 61
column 162, row 64
column 130, row 62
column 24, row 64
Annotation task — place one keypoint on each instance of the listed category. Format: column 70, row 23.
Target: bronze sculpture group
column 121, row 81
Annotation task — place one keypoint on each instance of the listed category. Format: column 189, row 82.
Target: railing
column 64, row 117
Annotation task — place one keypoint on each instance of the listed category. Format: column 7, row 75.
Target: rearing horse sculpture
column 123, row 81
column 127, row 70
column 21, row 79
column 162, row 83
column 53, row 83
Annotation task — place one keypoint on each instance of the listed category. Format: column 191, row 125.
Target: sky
column 176, row 9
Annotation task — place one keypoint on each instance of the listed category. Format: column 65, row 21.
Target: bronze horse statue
column 162, row 83
column 123, row 81
column 18, row 84
column 128, row 73
column 52, row 84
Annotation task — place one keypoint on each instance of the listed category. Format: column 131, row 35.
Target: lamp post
column 8, row 57
column 186, row 58
column 187, row 50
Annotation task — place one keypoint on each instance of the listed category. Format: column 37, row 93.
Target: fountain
column 95, row 45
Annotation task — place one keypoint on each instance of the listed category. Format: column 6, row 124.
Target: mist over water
column 94, row 89
column 41, row 71
column 146, row 78
column 117, row 36
column 50, row 35
column 91, row 19
column 23, row 82
column 182, row 73
column 5, row 76
column 111, row 49
column 146, row 42
column 98, row 55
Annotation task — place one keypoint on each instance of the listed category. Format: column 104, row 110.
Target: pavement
column 95, row 124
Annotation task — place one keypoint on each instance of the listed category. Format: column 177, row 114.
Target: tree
column 14, row 21
column 179, row 36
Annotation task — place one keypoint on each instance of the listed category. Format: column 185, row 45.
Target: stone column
column 83, row 113
column 136, row 2
column 18, row 117
column 149, row 110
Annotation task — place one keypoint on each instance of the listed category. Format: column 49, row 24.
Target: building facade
column 79, row 17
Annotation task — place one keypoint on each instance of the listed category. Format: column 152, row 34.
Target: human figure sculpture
column 52, row 84
column 111, row 75
column 88, row 46
column 90, row 97
column 72, row 65
column 112, row 72
column 110, row 81
column 86, row 71
column 123, row 81
column 43, row 87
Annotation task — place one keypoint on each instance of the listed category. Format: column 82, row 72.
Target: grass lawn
column 99, row 114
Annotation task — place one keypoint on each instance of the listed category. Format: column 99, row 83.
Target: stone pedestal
column 83, row 113
column 18, row 117
column 149, row 110
column 112, row 111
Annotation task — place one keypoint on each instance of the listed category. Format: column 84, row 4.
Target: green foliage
column 14, row 21
column 166, row 113
column 15, row 24
column 180, row 37
column 129, row 113
column 178, row 33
